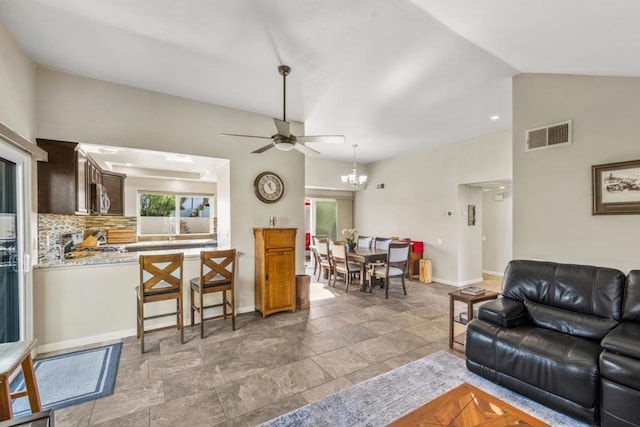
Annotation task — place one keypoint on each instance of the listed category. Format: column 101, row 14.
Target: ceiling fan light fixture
column 284, row 146
column 284, row 140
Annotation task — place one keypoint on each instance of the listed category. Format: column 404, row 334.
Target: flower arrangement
column 349, row 235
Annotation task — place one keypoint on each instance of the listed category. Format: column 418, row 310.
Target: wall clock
column 268, row 187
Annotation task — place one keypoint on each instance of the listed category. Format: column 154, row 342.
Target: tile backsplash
column 55, row 226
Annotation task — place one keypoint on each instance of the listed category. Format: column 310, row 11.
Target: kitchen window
column 166, row 214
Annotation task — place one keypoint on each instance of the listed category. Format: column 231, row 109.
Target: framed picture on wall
column 616, row 188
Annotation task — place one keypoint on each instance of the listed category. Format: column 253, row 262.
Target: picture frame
column 471, row 215
column 616, row 188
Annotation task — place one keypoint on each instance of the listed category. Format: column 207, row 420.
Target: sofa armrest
column 624, row 339
column 505, row 312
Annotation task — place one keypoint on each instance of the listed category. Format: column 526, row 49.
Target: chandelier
column 353, row 181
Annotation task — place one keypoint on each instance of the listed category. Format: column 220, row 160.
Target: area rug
column 72, row 378
column 385, row 398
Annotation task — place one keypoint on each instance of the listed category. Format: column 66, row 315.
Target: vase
column 351, row 246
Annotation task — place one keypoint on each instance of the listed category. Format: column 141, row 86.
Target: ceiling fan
column 284, row 140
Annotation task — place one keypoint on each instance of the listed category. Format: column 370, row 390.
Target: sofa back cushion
column 580, row 300
column 631, row 310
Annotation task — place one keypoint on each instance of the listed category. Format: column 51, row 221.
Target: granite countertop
column 102, row 258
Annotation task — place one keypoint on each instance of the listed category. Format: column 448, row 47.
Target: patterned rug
column 385, row 398
column 72, row 378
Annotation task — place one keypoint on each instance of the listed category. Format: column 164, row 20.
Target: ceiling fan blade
column 328, row 139
column 245, row 136
column 263, row 149
column 284, row 128
column 306, row 150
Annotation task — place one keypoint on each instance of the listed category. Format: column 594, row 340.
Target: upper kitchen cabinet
column 62, row 185
column 113, row 186
column 72, row 183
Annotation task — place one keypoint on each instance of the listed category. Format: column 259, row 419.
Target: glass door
column 326, row 218
column 14, row 166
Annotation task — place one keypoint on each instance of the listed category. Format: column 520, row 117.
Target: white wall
column 552, row 187
column 325, row 174
column 497, row 227
column 17, row 86
column 80, row 109
column 421, row 187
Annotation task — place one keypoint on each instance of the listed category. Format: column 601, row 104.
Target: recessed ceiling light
column 486, row 189
column 495, row 117
column 502, row 187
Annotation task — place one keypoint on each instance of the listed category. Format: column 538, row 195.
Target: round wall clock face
column 268, row 187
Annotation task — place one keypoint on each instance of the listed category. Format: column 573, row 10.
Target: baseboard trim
column 494, row 273
column 79, row 342
column 110, row 336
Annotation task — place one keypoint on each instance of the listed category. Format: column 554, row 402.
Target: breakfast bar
column 92, row 299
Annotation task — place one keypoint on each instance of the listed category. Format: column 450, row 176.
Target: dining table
column 364, row 257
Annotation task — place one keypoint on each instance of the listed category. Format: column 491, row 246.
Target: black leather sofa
column 620, row 363
column 543, row 338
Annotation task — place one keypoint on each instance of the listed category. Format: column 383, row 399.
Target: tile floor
column 270, row 366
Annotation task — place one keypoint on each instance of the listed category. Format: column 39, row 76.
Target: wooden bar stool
column 160, row 280
column 13, row 355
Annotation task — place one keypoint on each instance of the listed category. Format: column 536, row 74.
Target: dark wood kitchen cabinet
column 65, row 181
column 113, row 184
column 62, row 187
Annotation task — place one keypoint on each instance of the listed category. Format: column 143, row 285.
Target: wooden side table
column 470, row 300
column 13, row 355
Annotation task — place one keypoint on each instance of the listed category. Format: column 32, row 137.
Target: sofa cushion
column 624, row 339
column 621, row 369
column 561, row 364
column 632, row 297
column 569, row 322
column 596, row 291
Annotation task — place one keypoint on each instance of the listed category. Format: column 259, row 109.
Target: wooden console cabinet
column 275, row 269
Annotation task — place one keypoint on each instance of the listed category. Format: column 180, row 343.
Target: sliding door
column 15, row 289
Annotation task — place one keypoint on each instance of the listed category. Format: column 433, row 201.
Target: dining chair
column 381, row 243
column 395, row 266
column 217, row 273
column 364, row 241
column 160, row 280
column 324, row 258
column 342, row 266
column 314, row 250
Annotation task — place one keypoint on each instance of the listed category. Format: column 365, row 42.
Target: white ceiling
column 392, row 76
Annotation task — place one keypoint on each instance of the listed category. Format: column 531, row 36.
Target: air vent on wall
column 549, row 136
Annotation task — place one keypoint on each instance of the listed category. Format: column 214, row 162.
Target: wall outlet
column 439, row 240
column 484, row 238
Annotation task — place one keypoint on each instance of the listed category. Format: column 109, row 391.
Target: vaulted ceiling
column 393, row 76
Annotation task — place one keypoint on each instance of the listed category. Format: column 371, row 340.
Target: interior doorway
column 497, row 226
column 321, row 217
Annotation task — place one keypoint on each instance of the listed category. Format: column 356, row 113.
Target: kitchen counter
column 101, row 258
